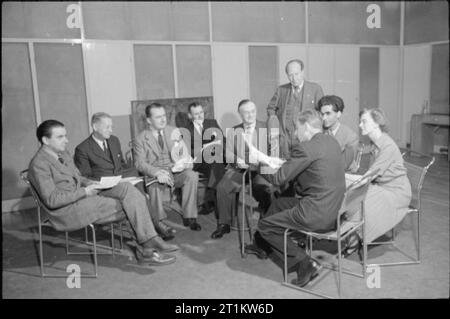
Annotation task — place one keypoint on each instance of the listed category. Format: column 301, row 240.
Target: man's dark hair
column 242, row 102
column 193, row 104
column 334, row 100
column 298, row 61
column 45, row 129
column 150, row 107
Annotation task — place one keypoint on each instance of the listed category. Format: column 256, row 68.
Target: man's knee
column 191, row 176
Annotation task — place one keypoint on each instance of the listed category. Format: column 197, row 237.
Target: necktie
column 61, row 160
column 160, row 140
column 105, row 147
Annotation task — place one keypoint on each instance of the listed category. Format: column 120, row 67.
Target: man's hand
column 91, row 190
column 164, row 177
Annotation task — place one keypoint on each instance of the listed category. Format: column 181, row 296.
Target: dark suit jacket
column 60, row 188
column 196, row 141
column 94, row 163
column 317, row 169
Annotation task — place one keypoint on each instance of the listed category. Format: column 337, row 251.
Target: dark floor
column 207, row 268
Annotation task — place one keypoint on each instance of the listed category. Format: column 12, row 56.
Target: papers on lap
column 111, row 181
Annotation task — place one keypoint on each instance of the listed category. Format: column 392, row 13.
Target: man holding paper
column 162, row 155
column 73, row 201
column 100, row 155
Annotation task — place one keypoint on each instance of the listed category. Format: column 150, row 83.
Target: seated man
column 101, row 155
column 318, row 172
column 74, row 202
column 231, row 182
column 203, row 131
column 161, row 154
column 331, row 108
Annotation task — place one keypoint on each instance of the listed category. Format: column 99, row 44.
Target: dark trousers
column 282, row 214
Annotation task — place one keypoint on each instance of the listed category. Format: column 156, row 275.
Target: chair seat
column 346, row 227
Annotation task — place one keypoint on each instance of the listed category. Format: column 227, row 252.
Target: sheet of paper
column 108, row 182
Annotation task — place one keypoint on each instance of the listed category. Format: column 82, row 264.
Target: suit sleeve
column 141, row 160
column 290, row 169
column 81, row 160
column 52, row 196
column 272, row 108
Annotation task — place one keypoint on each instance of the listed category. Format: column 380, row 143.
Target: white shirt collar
column 99, row 142
column 197, row 126
column 299, row 87
column 335, row 129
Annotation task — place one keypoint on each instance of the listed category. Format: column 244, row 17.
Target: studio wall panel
column 321, row 67
column 154, row 71
column 439, row 101
column 110, row 72
column 416, row 84
column 190, row 21
column 230, row 78
column 106, row 20
column 426, row 21
column 369, row 77
column 258, row 22
column 194, row 70
column 263, row 71
column 18, row 118
column 389, row 89
column 346, row 23
column 287, row 53
column 37, row 20
column 62, row 94
column 346, row 78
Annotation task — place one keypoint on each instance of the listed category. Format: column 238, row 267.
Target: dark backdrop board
column 439, row 101
column 176, row 111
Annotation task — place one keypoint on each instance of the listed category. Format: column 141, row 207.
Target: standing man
column 203, row 131
column 239, row 160
column 319, row 183
column 73, row 201
column 101, row 155
column 289, row 100
column 161, row 154
column 331, row 108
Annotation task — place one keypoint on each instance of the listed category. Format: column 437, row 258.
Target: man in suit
column 101, row 155
column 209, row 163
column 289, row 100
column 74, row 201
column 331, row 108
column 239, row 159
column 161, row 154
column 317, row 170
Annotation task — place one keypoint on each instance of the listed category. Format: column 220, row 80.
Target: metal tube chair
column 353, row 203
column 416, row 175
column 43, row 220
column 244, row 217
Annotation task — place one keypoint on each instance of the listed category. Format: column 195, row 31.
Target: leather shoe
column 156, row 243
column 192, row 223
column 307, row 273
column 166, row 232
column 221, row 230
column 154, row 258
column 255, row 250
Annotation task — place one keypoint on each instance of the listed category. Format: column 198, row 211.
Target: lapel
column 115, row 151
column 151, row 141
column 96, row 149
column 62, row 169
column 168, row 137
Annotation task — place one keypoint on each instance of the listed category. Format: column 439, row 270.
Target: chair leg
column 41, row 249
column 113, row 248
column 285, row 256
column 94, row 241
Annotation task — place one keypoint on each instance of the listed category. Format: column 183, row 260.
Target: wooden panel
column 258, row 22
column 416, row 84
column 62, row 94
column 154, row 71
column 110, row 77
column 369, row 77
column 106, row 20
column 345, row 22
column 321, row 67
column 263, row 73
column 230, row 78
column 426, row 21
column 439, row 101
column 287, row 53
column 194, row 70
column 389, row 89
column 18, row 118
column 37, row 20
column 347, row 84
column 190, row 21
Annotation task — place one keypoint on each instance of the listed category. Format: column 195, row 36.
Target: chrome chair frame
column 353, row 201
column 416, row 188
column 244, row 219
column 46, row 222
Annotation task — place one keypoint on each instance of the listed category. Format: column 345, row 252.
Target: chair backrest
column 24, row 176
column 416, row 175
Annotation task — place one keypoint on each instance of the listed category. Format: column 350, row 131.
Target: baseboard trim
column 17, row 204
